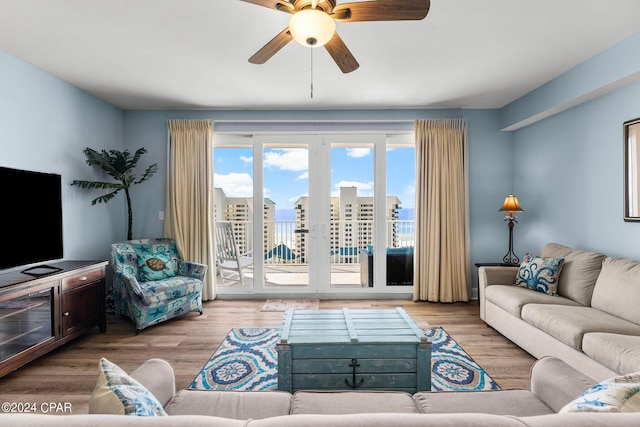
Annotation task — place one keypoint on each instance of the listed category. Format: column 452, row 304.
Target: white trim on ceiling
column 330, row 126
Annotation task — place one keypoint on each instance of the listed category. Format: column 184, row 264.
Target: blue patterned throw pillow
column 156, row 266
column 619, row 394
column 539, row 274
column 118, row 393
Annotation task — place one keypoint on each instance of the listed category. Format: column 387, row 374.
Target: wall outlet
column 161, row 215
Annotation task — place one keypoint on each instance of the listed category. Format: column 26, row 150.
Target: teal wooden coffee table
column 353, row 350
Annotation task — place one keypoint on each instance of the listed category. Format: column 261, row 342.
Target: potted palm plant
column 120, row 165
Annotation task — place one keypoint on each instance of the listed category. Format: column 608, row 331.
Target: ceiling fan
column 313, row 23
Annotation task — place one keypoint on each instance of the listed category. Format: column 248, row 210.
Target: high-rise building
column 239, row 212
column 352, row 224
column 351, row 229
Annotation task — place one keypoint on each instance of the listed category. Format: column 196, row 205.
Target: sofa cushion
column 557, row 383
column 155, row 266
column 126, row 254
column 118, row 393
column 581, row 419
column 512, row 298
column 50, row 419
column 498, row 402
column 568, row 324
column 620, row 353
column 350, row 402
column 407, row 250
column 157, row 376
column 390, row 420
column 157, row 292
column 619, row 394
column 617, row 289
column 539, row 274
column 579, row 271
column 239, row 405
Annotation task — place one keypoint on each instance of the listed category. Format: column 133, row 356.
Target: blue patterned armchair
column 152, row 284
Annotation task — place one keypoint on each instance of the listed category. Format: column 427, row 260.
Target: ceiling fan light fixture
column 312, row 27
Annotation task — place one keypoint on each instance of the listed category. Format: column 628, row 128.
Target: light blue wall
column 568, row 164
column 569, row 177
column 490, row 173
column 611, row 69
column 46, row 123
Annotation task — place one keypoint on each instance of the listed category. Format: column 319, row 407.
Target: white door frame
column 319, row 148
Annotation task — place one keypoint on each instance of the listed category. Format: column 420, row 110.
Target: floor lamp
column 511, row 206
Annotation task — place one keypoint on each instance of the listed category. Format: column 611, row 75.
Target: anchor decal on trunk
column 354, row 364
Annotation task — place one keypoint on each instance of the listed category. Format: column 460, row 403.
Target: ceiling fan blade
column 271, row 48
column 273, row 4
column 381, row 10
column 341, row 54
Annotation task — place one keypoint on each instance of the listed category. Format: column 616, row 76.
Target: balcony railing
column 287, row 242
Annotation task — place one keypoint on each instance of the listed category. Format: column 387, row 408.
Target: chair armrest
column 191, row 269
column 498, row 275
column 248, row 253
column 557, row 383
column 130, row 282
column 157, row 376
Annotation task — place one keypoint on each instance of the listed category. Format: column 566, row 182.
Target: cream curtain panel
column 189, row 210
column 441, row 249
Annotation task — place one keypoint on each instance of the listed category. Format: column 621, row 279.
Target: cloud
column 295, row 159
column 247, row 159
column 234, row 184
column 358, row 152
column 410, row 190
column 305, row 175
column 359, row 185
column 409, row 196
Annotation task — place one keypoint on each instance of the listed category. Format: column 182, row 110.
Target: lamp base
column 511, row 259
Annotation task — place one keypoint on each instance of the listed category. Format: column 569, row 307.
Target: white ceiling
column 192, row 54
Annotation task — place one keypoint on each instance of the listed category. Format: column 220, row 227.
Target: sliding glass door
column 288, row 214
column 353, row 213
column 311, row 209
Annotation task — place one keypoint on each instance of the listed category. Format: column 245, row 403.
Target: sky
column 286, row 173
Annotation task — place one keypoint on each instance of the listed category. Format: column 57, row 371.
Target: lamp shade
column 511, row 204
column 312, row 27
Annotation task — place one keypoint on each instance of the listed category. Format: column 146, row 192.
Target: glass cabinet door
column 26, row 320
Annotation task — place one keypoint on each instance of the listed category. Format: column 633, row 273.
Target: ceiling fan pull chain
column 311, row 49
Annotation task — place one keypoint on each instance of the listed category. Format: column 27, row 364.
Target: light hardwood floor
column 68, row 374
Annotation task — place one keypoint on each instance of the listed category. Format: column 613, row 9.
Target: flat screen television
column 31, row 219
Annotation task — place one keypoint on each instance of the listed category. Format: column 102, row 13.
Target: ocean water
column 285, row 214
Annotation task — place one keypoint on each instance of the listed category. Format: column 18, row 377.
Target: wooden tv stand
column 41, row 312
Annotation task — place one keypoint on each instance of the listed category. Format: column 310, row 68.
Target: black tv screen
column 30, row 217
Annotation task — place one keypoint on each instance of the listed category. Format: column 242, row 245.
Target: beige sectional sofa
column 593, row 323
column 553, row 384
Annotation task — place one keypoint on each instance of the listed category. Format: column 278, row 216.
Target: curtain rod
column 309, row 125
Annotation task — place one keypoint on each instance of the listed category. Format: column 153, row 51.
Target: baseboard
column 324, row 296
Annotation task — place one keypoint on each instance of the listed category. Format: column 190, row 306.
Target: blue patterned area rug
column 247, row 360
